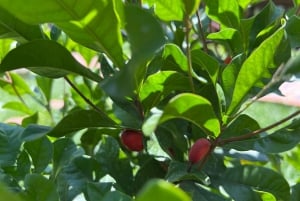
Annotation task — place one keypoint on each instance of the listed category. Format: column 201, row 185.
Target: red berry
column 227, row 60
column 199, row 150
column 132, row 140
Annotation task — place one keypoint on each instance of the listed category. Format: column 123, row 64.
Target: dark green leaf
column 64, row 151
column 295, row 196
column 9, row 143
column 39, row 188
column 41, row 151
column 8, row 195
column 116, row 195
column 95, row 191
column 258, row 178
column 73, row 178
column 33, row 132
column 36, row 57
column 292, row 31
column 81, row 119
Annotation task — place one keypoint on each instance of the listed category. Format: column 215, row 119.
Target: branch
column 88, row 101
column 256, row 132
column 200, row 27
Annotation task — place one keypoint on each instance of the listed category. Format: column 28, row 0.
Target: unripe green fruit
column 199, row 150
column 132, row 140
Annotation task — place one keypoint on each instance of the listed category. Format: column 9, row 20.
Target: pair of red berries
column 133, row 141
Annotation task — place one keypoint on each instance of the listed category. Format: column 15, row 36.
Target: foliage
column 174, row 70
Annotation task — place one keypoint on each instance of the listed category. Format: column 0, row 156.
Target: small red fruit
column 227, row 60
column 132, row 140
column 199, row 150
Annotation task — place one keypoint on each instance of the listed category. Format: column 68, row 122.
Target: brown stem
column 201, row 32
column 83, row 96
column 256, row 132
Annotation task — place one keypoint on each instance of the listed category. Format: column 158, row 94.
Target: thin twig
column 188, row 27
column 201, row 32
column 88, row 101
column 256, row 132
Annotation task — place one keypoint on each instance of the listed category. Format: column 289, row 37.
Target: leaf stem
column 201, row 32
column 188, row 28
column 88, row 101
column 258, row 131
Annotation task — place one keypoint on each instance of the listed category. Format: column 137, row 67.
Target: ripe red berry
column 199, row 150
column 132, row 140
column 227, row 60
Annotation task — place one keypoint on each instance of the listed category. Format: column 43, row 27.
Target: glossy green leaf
column 168, row 10
column 10, row 144
column 224, row 12
column 40, row 151
column 88, row 119
column 119, row 168
column 84, row 21
column 207, row 62
column 64, row 151
column 160, row 85
column 258, row 178
column 73, row 178
column 231, row 37
column 11, row 27
column 161, row 190
column 35, row 56
column 254, row 68
column 176, row 57
column 193, row 108
column 40, row 188
column 178, row 172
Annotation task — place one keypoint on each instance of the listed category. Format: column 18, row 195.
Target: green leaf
column 35, row 56
column 224, row 12
column 85, row 22
column 116, row 195
column 33, row 132
column 168, row 10
column 119, row 168
column 45, row 84
column 145, row 36
column 254, row 68
column 96, row 190
column 207, row 62
column 17, row 29
column 10, row 144
column 41, row 151
column 193, row 108
column 178, row 172
column 247, row 178
column 295, row 191
column 161, row 190
column 40, row 188
column 72, row 179
column 18, row 106
column 64, row 151
column 8, row 195
column 88, row 119
column 231, row 37
column 292, row 67
column 175, row 56
column 159, row 85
